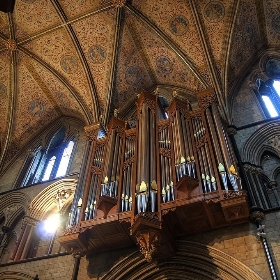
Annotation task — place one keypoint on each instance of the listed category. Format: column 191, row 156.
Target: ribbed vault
column 84, row 59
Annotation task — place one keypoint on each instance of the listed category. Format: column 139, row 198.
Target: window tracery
column 48, row 163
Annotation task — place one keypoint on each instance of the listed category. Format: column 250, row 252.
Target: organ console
column 166, row 177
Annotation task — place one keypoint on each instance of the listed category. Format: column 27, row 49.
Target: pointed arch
column 267, row 138
column 46, row 199
column 191, row 261
column 12, row 205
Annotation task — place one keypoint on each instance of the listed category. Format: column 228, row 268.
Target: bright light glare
column 269, row 106
column 276, row 85
column 51, row 223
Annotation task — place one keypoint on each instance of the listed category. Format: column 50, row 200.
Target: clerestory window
column 48, row 163
column 270, row 94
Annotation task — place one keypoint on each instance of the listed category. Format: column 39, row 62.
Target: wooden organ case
column 165, row 178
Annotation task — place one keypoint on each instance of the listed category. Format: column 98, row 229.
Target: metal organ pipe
column 152, row 157
column 82, row 192
column 220, row 135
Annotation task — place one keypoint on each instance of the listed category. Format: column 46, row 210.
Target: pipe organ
column 166, row 177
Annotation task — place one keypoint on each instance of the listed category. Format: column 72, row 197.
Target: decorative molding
column 128, row 162
column 91, row 132
column 206, row 99
column 96, row 170
column 165, row 152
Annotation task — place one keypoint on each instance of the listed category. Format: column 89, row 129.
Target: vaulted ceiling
column 85, row 58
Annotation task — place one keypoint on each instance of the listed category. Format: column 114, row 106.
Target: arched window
column 62, row 169
column 270, row 95
column 49, row 163
column 49, row 169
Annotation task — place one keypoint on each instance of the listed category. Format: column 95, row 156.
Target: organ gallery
column 174, row 173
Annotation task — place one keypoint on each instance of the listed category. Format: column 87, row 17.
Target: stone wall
column 240, row 242
column 47, row 269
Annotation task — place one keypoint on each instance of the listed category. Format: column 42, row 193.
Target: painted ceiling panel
column 32, row 17
column 215, row 15
column 133, row 71
column 246, row 39
column 60, row 97
column 78, row 8
column 4, row 24
column 272, row 15
column 4, row 91
column 96, row 36
column 58, row 51
column 65, row 58
column 175, row 18
column 166, row 64
column 34, row 109
column 2, row 44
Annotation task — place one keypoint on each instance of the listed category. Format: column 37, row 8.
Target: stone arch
column 46, row 199
column 265, row 138
column 15, row 275
column 191, row 261
column 54, row 199
column 12, row 205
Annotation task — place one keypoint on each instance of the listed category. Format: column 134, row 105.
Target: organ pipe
column 138, row 169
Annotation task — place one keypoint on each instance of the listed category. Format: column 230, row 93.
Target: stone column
column 257, row 216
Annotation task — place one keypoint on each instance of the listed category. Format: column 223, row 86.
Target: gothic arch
column 12, row 205
column 261, row 140
column 46, row 199
column 14, row 275
column 192, row 261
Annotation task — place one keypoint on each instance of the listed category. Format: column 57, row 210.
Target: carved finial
column 116, row 111
column 175, row 93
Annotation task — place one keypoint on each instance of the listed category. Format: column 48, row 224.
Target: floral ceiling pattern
column 86, row 58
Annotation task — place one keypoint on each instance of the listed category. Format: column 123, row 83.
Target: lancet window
column 269, row 92
column 49, row 162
